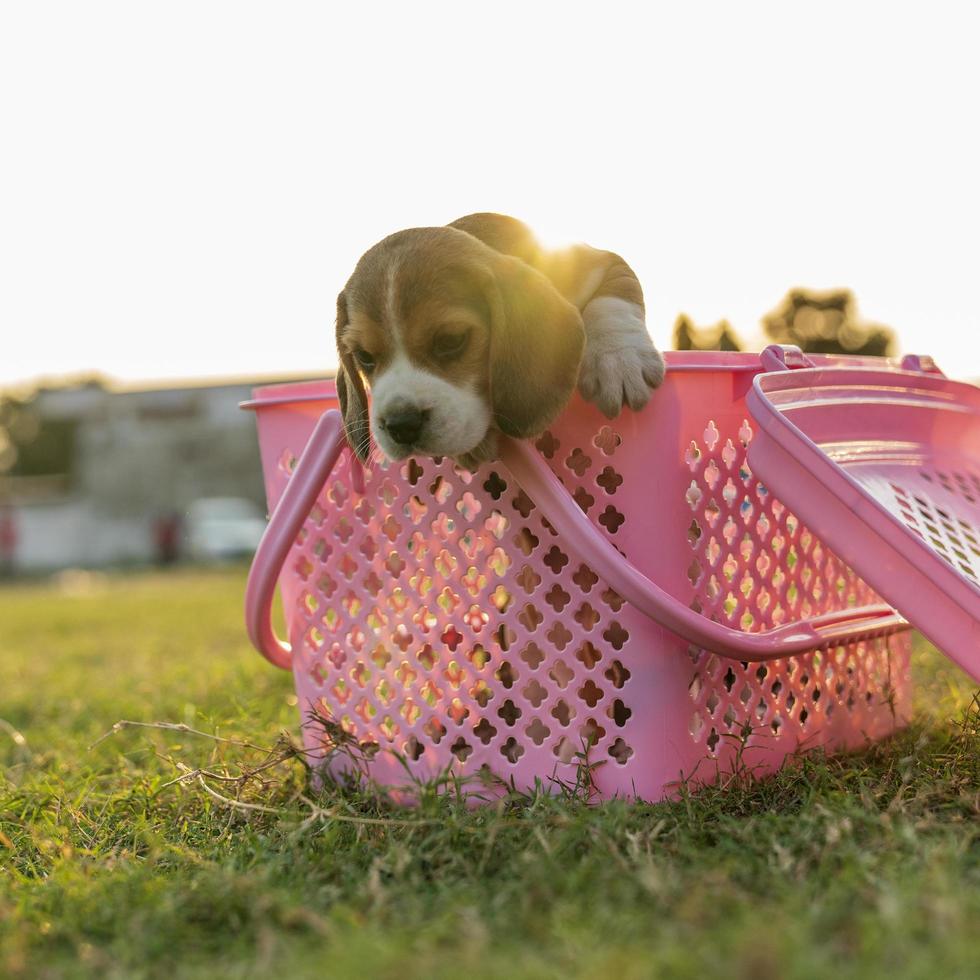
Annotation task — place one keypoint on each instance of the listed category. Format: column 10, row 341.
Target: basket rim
column 731, row 362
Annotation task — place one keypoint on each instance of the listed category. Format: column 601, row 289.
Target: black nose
column 405, row 424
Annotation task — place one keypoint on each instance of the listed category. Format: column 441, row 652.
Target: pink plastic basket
column 625, row 592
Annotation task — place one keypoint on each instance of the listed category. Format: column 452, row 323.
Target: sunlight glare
column 552, row 235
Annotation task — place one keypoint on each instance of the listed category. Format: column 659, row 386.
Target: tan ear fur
column 536, row 343
column 350, row 392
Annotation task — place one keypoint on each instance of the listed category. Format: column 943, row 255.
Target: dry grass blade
column 171, row 726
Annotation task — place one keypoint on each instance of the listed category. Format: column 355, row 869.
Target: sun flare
column 552, row 235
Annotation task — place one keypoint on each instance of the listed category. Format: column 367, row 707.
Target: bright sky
column 184, row 187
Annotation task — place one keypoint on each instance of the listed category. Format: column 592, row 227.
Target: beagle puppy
column 472, row 329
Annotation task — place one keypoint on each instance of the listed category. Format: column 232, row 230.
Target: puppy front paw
column 621, row 364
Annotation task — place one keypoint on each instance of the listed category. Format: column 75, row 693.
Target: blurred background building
column 93, row 474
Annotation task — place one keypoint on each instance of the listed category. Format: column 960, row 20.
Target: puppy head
column 454, row 340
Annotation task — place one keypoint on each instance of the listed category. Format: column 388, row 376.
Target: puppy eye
column 449, row 345
column 364, row 359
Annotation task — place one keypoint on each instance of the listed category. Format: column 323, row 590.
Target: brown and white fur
column 472, row 329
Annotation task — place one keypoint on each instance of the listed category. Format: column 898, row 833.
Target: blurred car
column 223, row 528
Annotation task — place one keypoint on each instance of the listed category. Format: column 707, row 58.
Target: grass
column 862, row 866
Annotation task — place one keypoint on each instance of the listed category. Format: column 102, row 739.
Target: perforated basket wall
column 438, row 616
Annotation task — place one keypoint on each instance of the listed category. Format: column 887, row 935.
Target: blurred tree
column 687, row 336
column 826, row 322
column 11, row 416
column 30, row 445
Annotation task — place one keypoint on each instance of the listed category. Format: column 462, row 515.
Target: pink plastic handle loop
column 923, row 363
column 319, row 457
column 541, row 484
column 829, row 629
column 782, row 357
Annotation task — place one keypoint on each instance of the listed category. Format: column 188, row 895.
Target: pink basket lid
column 883, row 464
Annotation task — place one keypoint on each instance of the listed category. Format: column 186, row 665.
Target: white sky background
column 185, row 187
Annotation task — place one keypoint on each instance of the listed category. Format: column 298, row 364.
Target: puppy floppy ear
column 350, row 391
column 536, row 343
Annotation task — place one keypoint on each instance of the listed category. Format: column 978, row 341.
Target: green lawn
column 864, row 866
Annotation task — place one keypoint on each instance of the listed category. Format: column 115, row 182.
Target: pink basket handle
column 541, row 484
column 319, row 457
column 567, row 518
